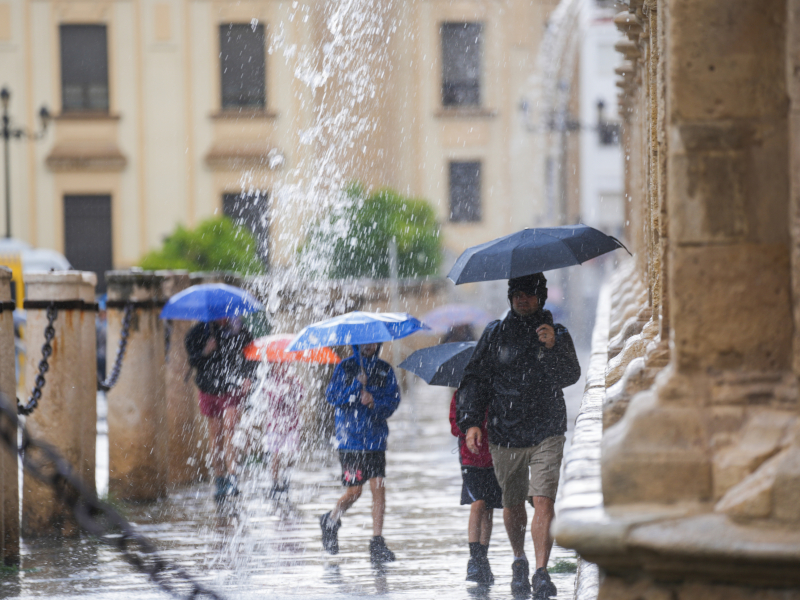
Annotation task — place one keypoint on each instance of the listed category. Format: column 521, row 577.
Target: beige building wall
column 166, row 152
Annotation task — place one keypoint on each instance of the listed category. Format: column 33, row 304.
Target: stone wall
column 700, row 452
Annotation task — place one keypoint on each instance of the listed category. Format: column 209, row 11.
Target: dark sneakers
column 225, row 487
column 330, row 533
column 378, row 552
column 478, row 569
column 473, row 569
column 520, row 586
column 485, row 576
column 543, row 588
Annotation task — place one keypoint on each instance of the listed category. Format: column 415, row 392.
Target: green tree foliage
column 357, row 238
column 216, row 244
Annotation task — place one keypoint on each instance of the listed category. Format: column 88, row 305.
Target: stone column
column 137, row 414
column 88, row 363
column 9, row 487
column 186, row 426
column 729, row 300
column 58, row 418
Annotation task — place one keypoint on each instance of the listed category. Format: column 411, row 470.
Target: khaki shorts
column 511, row 467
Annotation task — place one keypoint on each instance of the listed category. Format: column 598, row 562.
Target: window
column 242, row 49
column 250, row 210
column 84, row 68
column 465, row 192
column 607, row 131
column 462, row 50
column 87, row 235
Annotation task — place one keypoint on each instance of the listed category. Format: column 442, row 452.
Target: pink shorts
column 212, row 406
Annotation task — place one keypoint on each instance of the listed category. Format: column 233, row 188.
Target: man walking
column 518, row 370
column 364, row 392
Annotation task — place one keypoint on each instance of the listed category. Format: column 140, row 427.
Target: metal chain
column 99, row 519
column 47, row 351
column 111, row 381
column 167, row 339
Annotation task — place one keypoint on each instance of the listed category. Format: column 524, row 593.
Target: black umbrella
column 440, row 365
column 531, row 251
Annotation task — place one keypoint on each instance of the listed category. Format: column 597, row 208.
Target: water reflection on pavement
column 258, row 546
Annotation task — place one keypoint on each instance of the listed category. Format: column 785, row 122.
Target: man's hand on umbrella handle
column 367, row 399
column 547, row 335
column 362, row 377
column 474, row 439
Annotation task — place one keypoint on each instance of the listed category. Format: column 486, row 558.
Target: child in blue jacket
column 364, row 392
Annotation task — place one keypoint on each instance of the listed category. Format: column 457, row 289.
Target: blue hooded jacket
column 357, row 426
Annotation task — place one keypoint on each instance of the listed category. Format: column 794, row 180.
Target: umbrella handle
column 360, row 361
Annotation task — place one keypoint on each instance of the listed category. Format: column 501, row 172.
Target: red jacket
column 483, row 459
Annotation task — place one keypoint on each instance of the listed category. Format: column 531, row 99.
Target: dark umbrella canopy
column 440, row 365
column 531, row 251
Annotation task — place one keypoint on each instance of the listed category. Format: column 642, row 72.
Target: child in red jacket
column 481, row 490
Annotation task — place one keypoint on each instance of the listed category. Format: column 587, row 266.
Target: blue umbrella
column 356, row 328
column 209, row 302
column 531, row 251
column 440, row 365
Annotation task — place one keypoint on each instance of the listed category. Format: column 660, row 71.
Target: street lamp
column 17, row 133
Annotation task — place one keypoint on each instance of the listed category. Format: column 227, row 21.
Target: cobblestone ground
column 259, row 547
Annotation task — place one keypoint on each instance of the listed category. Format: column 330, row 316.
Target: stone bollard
column 137, row 414
column 187, row 427
column 58, row 417
column 9, row 487
column 88, row 363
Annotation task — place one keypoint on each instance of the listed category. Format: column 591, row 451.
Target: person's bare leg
column 231, row 419
column 217, row 446
column 476, row 515
column 351, row 494
column 540, row 529
column 275, row 467
column 378, row 490
column 486, row 526
column 516, row 522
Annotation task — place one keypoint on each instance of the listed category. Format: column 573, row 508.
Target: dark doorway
column 87, row 235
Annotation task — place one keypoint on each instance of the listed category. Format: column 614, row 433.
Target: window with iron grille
column 250, row 210
column 465, row 192
column 242, row 58
column 462, row 54
column 84, row 68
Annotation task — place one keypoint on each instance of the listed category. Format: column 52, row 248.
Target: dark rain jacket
column 224, row 369
column 519, row 380
column 359, row 427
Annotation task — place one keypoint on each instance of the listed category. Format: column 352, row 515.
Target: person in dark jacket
column 223, row 377
column 517, row 371
column 364, row 392
column 481, row 491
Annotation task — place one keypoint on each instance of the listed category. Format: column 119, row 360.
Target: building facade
column 169, row 111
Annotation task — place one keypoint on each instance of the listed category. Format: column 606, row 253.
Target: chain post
column 97, row 518
column 44, row 366
column 111, row 381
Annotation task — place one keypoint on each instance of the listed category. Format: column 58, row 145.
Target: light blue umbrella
column 356, row 328
column 209, row 302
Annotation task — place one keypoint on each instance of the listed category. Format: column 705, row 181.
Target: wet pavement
column 258, row 546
